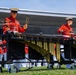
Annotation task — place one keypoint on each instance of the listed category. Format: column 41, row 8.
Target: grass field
column 42, row 71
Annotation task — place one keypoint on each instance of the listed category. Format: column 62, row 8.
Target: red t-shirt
column 65, row 30
column 4, row 41
column 4, row 49
column 13, row 25
column 1, row 50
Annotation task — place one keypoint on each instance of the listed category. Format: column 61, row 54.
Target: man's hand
column 7, row 28
column 61, row 31
column 25, row 26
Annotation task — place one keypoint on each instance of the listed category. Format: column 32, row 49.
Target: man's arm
column 6, row 25
column 22, row 29
column 62, row 29
column 25, row 26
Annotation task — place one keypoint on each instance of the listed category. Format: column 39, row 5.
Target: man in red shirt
column 66, row 29
column 13, row 25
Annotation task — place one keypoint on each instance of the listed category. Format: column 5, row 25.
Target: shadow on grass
column 42, row 69
column 37, row 69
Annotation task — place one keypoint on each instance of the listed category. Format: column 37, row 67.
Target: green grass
column 42, row 71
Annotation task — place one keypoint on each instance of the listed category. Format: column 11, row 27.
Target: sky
column 61, row 6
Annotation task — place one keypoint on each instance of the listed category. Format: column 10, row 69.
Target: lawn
column 42, row 71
